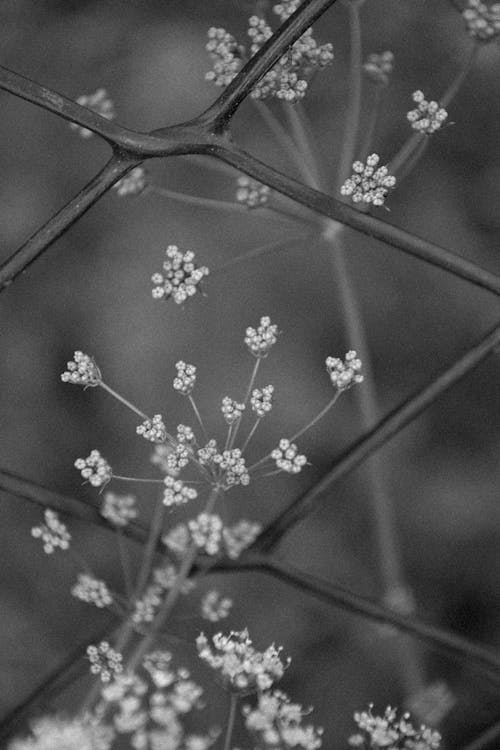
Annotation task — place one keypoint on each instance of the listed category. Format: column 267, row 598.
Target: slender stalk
column 353, row 110
column 369, row 129
column 230, row 722
column 123, row 400
column 144, row 480
column 196, row 200
column 456, row 84
column 250, row 436
column 318, row 416
column 301, row 130
column 155, row 529
column 274, row 247
column 198, row 417
column 124, row 563
column 248, row 393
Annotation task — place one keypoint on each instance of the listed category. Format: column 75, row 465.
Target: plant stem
column 196, row 200
column 279, row 246
column 245, row 401
column 250, row 435
column 124, row 401
column 367, row 144
column 318, row 416
column 198, row 417
column 125, row 563
column 137, row 479
column 155, row 529
column 300, row 129
column 230, row 722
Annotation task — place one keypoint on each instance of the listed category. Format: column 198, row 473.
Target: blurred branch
column 454, row 646
column 386, row 429
column 485, row 739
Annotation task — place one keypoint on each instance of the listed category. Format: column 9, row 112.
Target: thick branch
column 222, row 110
column 334, row 209
column 440, row 640
column 386, row 429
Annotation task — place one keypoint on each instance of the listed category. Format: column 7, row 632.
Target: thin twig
column 483, row 742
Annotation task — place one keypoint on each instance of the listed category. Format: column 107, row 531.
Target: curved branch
column 41, row 240
column 334, row 209
column 222, row 110
column 454, row 646
column 383, row 431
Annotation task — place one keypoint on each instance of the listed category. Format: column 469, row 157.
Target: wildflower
column 233, row 466
column 166, row 577
column 389, row 731
column 368, row 184
column 180, row 278
column 261, row 340
column 186, row 378
column 153, row 429
column 146, row 607
column 133, row 183
column 159, row 665
column 239, row 663
column 251, row 193
column 261, row 400
column 378, row 67
column 288, row 458
column 59, row 733
column 98, row 102
column 240, row 536
column 206, row 532
column 214, row 607
column 206, row 455
column 95, row 469
column 176, row 492
column 231, row 410
column 82, row 370
column 104, row 661
column 92, row 590
column 344, row 374
column 159, row 458
column 118, row 509
column 428, row 116
column 482, row 21
column 177, row 540
column 278, row 722
column 226, row 55
column 185, row 434
column 53, row 533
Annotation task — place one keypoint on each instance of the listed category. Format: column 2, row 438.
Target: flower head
column 180, row 278
column 240, row 536
column 153, row 429
column 98, row 102
column 287, row 457
column 133, row 183
column 261, row 340
column 278, row 723
column 428, row 116
column 176, row 492
column 232, row 411
column 251, row 193
column 104, row 661
column 92, row 590
column 226, row 55
column 344, row 374
column 53, row 533
column 82, row 370
column 482, row 21
column 233, row 467
column 240, row 665
column 261, row 400
column 95, row 469
column 378, row 67
column 118, row 509
column 214, row 607
column 177, row 539
column 389, row 731
column 186, row 378
column 368, row 184
column 59, row 733
column 206, row 532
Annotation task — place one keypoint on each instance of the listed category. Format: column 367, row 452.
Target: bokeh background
column 91, row 291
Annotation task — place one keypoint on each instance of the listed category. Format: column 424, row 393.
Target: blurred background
column 92, row 291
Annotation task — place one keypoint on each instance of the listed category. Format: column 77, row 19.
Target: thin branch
column 483, row 742
column 454, row 646
column 334, row 209
column 219, row 114
column 386, row 429
column 41, row 240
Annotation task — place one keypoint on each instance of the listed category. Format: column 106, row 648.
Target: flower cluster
column 119, row 509
column 95, row 469
column 287, row 457
column 176, row 492
column 59, row 733
column 164, row 579
column 278, row 723
column 186, row 378
column 368, row 183
column 288, row 79
column 82, row 370
column 206, row 532
column 53, row 533
column 153, row 429
column 160, row 456
column 428, row 116
column 344, row 374
column 214, row 607
column 232, row 465
column 133, row 183
column 240, row 536
column 251, row 193
column 180, row 278
column 389, row 731
column 482, row 21
column 261, row 400
column 92, row 590
column 239, row 664
column 260, row 341
column 231, row 410
column 378, row 67
column 104, row 661
column 98, row 102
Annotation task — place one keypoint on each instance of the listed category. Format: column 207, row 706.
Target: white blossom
column 53, row 533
